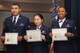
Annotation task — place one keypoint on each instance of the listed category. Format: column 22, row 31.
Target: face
column 15, row 10
column 61, row 13
column 37, row 20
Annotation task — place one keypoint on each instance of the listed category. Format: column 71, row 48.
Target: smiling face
column 61, row 12
column 37, row 20
column 15, row 10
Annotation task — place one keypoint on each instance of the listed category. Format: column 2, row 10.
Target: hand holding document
column 26, row 37
column 11, row 38
column 34, row 35
column 59, row 34
column 19, row 38
column 2, row 38
column 43, row 37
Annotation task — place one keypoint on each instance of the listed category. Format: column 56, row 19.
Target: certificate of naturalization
column 59, row 34
column 34, row 35
column 11, row 38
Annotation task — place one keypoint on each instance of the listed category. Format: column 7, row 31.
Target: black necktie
column 14, row 21
column 60, row 21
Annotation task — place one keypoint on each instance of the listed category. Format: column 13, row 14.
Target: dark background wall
column 78, row 24
column 73, row 9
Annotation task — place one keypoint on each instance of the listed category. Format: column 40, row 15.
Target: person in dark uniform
column 62, row 22
column 40, row 47
column 16, row 23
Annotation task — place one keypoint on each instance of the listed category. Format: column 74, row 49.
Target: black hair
column 17, row 4
column 40, row 15
column 61, row 7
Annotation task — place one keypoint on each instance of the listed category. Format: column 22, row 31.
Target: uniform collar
column 62, row 20
column 39, row 26
column 16, row 16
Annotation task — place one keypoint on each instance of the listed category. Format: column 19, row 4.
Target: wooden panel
column 30, row 1
column 29, row 7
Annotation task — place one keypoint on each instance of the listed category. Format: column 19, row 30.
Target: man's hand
column 2, row 38
column 68, row 34
column 19, row 38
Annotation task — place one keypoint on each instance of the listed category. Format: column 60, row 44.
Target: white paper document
column 59, row 34
column 34, row 35
column 11, row 38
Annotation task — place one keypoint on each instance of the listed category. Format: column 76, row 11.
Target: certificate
column 59, row 34
column 34, row 35
column 11, row 38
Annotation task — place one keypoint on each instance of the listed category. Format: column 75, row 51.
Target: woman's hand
column 43, row 37
column 51, row 34
column 26, row 37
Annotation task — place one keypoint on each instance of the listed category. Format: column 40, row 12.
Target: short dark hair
column 61, row 7
column 40, row 15
column 17, row 4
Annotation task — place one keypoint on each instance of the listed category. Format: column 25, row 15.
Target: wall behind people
column 5, row 14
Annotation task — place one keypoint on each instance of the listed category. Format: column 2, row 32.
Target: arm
column 72, row 31
column 47, row 37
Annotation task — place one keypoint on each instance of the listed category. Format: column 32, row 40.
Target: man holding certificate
column 14, row 30
column 39, row 44
column 64, row 31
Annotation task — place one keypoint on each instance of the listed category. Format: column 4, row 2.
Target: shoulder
column 54, row 21
column 8, row 18
column 70, row 21
column 24, row 17
column 46, row 27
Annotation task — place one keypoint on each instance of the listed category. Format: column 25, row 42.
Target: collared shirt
column 61, row 22
column 38, row 27
column 16, row 18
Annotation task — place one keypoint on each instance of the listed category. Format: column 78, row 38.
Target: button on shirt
column 61, row 22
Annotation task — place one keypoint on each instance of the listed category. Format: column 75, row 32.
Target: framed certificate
column 11, row 38
column 34, row 35
column 59, row 34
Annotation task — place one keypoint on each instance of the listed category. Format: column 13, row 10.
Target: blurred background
column 30, row 7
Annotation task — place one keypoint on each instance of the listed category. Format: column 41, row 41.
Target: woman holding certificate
column 64, row 45
column 40, row 46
